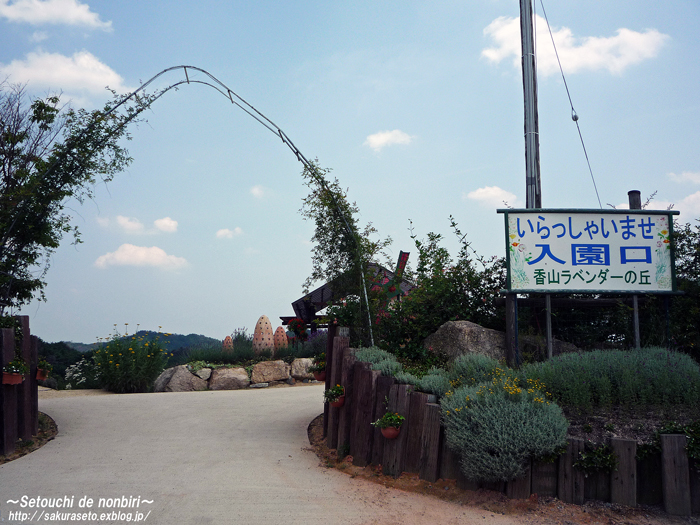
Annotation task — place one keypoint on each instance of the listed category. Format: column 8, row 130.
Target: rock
column 290, row 381
column 270, row 371
column 259, row 385
column 204, row 373
column 163, row 379
column 229, row 379
column 183, row 380
column 455, row 338
column 300, row 368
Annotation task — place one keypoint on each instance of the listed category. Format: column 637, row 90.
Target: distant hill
column 170, row 343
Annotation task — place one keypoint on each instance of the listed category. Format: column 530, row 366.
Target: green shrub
column 436, row 382
column 388, row 367
column 82, row 374
column 472, row 369
column 373, row 355
column 406, row 378
column 497, row 427
column 607, row 377
column 130, row 364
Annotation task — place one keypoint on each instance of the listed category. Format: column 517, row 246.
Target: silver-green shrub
column 497, row 427
column 388, row 367
column 471, row 369
column 436, row 381
column 406, row 378
column 373, row 355
column 624, row 377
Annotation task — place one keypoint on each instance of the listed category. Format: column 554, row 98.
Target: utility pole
column 533, row 197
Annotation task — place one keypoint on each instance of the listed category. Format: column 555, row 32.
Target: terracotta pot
column 339, row 403
column 320, row 376
column 11, row 378
column 391, row 432
column 41, row 374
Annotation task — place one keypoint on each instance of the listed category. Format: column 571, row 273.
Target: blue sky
column 416, row 106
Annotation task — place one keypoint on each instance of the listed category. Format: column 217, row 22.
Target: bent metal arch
column 236, row 100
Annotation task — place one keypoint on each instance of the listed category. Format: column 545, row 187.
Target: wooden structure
column 19, row 404
column 669, row 478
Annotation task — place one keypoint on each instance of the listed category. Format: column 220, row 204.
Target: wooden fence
column 19, row 404
column 668, row 478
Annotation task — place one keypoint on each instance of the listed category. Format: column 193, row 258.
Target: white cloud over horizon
column 67, row 12
column 492, row 197
column 134, row 225
column 225, row 233
column 129, row 224
column 613, row 53
column 80, row 76
column 380, row 140
column 130, row 255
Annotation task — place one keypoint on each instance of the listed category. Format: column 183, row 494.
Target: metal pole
column 635, row 201
column 533, row 194
column 548, row 303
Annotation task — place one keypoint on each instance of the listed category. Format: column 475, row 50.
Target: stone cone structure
column 228, row 345
column 263, row 337
column 280, row 339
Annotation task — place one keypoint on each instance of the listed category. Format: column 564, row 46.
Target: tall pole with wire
column 533, row 194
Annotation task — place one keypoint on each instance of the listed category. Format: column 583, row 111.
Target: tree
column 50, row 153
column 342, row 250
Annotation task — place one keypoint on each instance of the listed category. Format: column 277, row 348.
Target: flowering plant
column 319, row 363
column 16, row 366
column 389, row 419
column 43, row 364
column 333, row 394
column 298, row 326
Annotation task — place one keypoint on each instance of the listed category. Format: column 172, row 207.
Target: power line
column 574, row 115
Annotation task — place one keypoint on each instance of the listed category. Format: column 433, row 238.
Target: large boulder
column 300, row 368
column 270, row 371
column 163, row 379
column 455, row 338
column 229, row 379
column 182, row 380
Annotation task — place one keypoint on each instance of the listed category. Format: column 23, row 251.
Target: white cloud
column 225, row 233
column 689, row 207
column 103, row 221
column 166, row 224
column 614, row 53
column 39, row 36
column 80, row 75
column 377, row 141
column 130, row 255
column 258, row 191
column 129, row 224
column 686, row 176
column 492, row 197
column 69, row 12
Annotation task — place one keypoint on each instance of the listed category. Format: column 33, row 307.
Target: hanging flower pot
column 41, row 374
column 390, row 432
column 320, row 376
column 11, row 378
column 335, row 396
column 339, row 402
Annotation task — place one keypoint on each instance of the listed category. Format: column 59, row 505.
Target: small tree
column 342, row 251
column 50, row 153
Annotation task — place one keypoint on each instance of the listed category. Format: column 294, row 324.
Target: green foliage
column 685, row 310
column 389, row 419
column 447, row 289
column 16, row 366
column 596, row 459
column 388, row 367
column 333, row 394
column 619, row 377
column 471, row 369
column 436, row 381
column 49, row 154
column 373, row 355
column 406, row 378
column 497, row 427
column 691, row 431
column 129, row 365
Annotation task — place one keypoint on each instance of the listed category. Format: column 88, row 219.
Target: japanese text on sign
column 591, row 251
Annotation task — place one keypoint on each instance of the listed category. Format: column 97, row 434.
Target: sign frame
column 534, row 223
